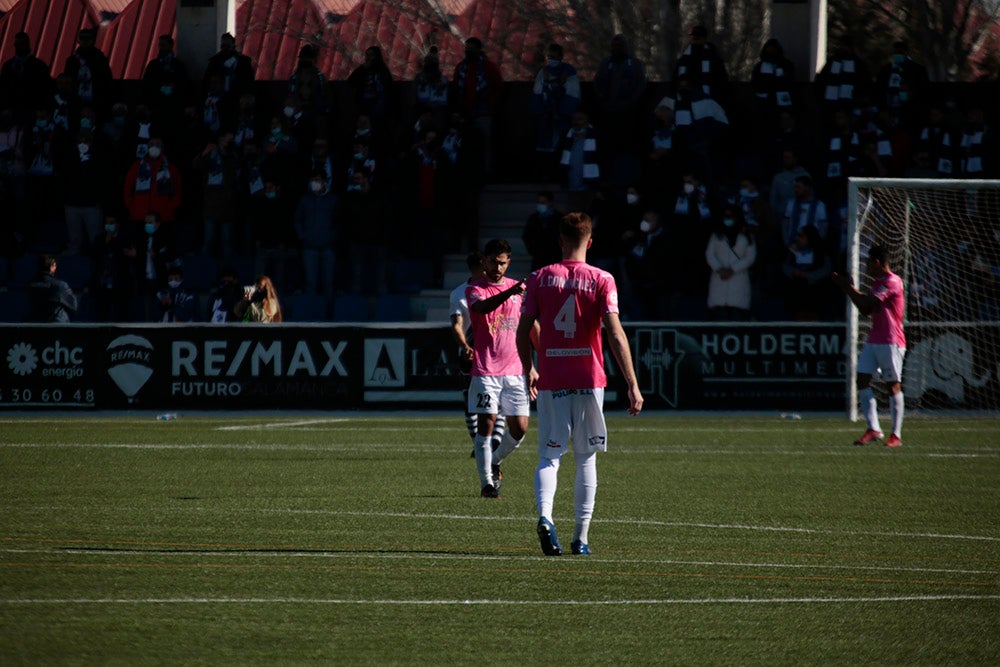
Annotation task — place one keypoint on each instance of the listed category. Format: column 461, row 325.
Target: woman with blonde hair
column 260, row 302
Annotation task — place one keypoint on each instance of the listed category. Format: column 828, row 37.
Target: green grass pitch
column 360, row 539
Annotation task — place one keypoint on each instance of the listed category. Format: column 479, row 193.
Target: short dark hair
column 475, row 260
column 879, row 253
column 575, row 226
column 45, row 264
column 497, row 247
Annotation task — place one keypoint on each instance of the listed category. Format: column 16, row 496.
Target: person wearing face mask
column 153, row 184
column 165, row 79
column 431, row 90
column 373, row 89
column 175, row 302
column 555, row 98
column 25, row 81
column 646, row 260
column 218, row 166
column 153, row 256
column 476, row 88
column 541, row 232
column 89, row 70
column 317, row 226
column 901, row 86
column 115, row 278
column 84, row 175
column 730, row 253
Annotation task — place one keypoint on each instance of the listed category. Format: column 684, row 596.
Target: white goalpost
column 943, row 238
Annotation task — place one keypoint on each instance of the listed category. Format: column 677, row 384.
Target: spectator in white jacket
column 730, row 253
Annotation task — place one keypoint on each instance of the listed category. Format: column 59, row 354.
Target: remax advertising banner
column 699, row 366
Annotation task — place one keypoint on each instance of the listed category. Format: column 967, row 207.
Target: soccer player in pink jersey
column 498, row 383
column 885, row 346
column 569, row 301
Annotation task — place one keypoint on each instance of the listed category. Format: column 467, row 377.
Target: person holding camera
column 260, row 302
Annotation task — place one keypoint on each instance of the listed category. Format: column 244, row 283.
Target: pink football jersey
column 569, row 300
column 494, row 334
column 887, row 318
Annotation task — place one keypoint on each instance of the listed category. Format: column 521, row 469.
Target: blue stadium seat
column 13, row 306
column 393, row 308
column 201, row 273
column 350, row 308
column 76, row 270
column 409, row 276
column 306, row 308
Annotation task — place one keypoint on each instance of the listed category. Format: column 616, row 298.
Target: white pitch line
column 520, row 603
column 280, row 425
column 339, row 555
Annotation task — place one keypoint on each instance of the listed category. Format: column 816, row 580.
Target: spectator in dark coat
column 50, row 299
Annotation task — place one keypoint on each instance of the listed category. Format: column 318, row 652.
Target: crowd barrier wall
column 680, row 366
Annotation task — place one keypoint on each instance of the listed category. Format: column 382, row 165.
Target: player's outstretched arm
column 623, row 357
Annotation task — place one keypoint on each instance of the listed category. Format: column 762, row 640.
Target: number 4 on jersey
column 565, row 319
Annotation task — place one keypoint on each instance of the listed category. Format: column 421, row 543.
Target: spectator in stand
column 807, row 269
column 730, row 254
column 218, row 169
column 153, row 185
column 25, row 81
column 788, row 136
column 224, row 298
column 431, row 90
column 541, row 232
column 664, row 149
column 362, row 159
column 462, row 180
column 581, row 162
column 374, row 93
column 165, row 83
column 937, row 139
column 260, row 303
column 476, row 86
column 419, row 185
column 114, row 272
column 701, row 63
column 154, row 256
column 317, row 226
column 901, row 87
column 89, row 70
column 783, row 184
column 619, row 82
column 50, row 299
column 688, row 231
column 272, row 231
column 216, row 113
column 805, row 210
column 249, row 125
column 702, row 125
column 366, row 220
column 845, row 82
column 40, row 152
column 646, row 261
column 842, row 149
column 175, row 302
column 65, row 105
column 978, row 145
column 555, row 98
column 764, row 232
column 12, row 184
column 308, row 86
column 235, row 69
column 772, row 81
column 320, row 160
column 84, row 174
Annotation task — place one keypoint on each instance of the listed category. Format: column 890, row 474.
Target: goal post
column 943, row 239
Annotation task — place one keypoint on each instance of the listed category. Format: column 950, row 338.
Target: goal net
column 943, row 239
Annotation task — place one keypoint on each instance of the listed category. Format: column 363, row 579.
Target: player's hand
column 532, row 384
column 634, row 400
column 841, row 281
column 520, row 287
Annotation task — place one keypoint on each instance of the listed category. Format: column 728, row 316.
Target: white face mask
column 316, row 186
column 631, row 198
column 688, row 188
column 155, row 152
column 174, row 284
column 289, row 111
column 645, row 226
column 83, row 148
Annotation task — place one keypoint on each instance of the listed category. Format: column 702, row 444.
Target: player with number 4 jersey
column 569, row 301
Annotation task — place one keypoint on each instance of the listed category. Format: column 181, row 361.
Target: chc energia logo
column 22, row 359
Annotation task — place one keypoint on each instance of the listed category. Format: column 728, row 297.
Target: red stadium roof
column 271, row 32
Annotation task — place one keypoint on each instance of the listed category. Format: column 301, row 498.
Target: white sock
column 869, row 407
column 896, row 412
column 507, row 445
column 484, row 459
column 499, row 428
column 584, row 493
column 546, row 478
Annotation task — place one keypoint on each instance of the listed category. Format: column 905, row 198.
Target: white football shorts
column 505, row 395
column 571, row 414
column 883, row 359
